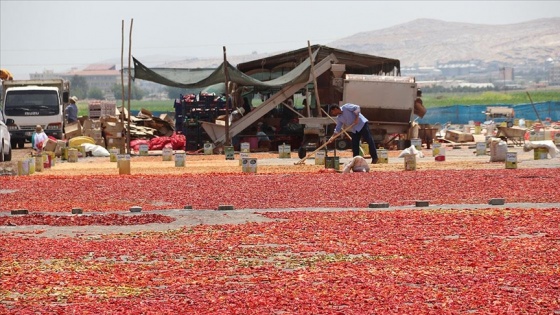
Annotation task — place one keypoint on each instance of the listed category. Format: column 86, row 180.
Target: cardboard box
column 49, row 145
column 100, row 142
column 458, row 136
column 113, row 129
column 73, row 130
column 115, row 142
column 91, row 124
column 93, row 133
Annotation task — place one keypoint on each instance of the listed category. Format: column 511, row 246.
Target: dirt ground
column 457, row 156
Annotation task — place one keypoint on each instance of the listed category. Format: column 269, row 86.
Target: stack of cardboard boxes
column 93, row 129
column 98, row 109
column 109, row 130
column 113, row 130
column 106, row 132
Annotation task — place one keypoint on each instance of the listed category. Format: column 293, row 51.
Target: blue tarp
column 462, row 114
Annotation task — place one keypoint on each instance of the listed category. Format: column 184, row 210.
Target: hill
column 426, row 42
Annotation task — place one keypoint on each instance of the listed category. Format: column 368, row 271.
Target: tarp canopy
column 355, row 63
column 204, row 77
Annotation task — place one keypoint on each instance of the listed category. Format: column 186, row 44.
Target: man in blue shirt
column 72, row 110
column 349, row 115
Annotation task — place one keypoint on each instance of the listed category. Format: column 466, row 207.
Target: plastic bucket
column 382, row 156
column 249, row 165
column 320, row 157
column 230, row 153
column 332, row 162
column 410, row 162
column 511, row 160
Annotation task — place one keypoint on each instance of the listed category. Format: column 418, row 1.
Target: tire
column 343, row 144
column 302, row 152
column 21, row 144
column 5, row 156
column 8, row 156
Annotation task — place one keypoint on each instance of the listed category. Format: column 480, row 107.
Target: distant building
column 554, row 75
column 457, row 69
column 506, row 74
column 101, row 76
column 46, row 74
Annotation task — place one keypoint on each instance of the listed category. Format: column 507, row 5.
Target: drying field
column 301, row 239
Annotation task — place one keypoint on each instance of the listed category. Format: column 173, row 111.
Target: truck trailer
column 28, row 103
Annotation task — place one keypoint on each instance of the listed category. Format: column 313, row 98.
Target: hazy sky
column 58, row 35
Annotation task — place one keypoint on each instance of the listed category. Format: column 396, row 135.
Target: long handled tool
column 534, row 108
column 345, row 133
column 302, row 161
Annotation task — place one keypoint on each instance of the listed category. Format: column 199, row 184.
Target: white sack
column 549, row 144
column 357, row 164
column 96, row 150
column 498, row 150
column 411, row 151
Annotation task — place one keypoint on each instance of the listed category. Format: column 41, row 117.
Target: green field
column 430, row 100
column 489, row 98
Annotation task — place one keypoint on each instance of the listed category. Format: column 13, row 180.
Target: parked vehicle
column 500, row 114
column 28, row 103
column 5, row 143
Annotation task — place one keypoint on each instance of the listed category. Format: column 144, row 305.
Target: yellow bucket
column 72, row 155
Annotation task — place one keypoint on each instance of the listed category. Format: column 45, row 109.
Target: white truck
column 28, row 103
column 387, row 101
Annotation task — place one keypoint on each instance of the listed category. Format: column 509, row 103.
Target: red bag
column 178, row 141
column 159, row 143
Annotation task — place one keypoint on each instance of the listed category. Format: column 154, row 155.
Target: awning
column 204, row 77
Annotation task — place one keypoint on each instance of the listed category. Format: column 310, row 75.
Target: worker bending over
column 350, row 115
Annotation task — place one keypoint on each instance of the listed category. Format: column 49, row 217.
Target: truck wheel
column 2, row 157
column 13, row 142
column 6, row 156
column 21, row 144
column 343, row 144
column 302, row 152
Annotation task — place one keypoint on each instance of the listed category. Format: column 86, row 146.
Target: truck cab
column 28, row 103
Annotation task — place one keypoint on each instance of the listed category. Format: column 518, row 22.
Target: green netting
column 204, row 77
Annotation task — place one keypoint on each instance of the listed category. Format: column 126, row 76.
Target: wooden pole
column 307, row 101
column 226, row 75
column 122, row 73
column 129, row 87
column 315, row 87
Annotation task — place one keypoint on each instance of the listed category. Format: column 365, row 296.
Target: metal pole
column 315, row 87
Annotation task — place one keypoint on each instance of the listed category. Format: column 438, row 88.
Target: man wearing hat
column 72, row 110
